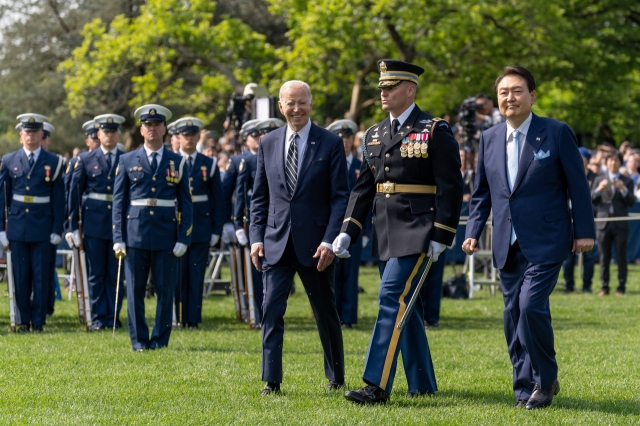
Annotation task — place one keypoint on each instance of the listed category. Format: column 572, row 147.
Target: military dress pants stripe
column 102, row 268
column 164, row 268
column 527, row 321
column 32, row 275
column 193, row 265
column 399, row 281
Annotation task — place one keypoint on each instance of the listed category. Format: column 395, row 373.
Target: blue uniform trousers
column 431, row 291
column 193, row 265
column 164, row 268
column 51, row 299
column 102, row 271
column 527, row 321
column 277, row 280
column 32, row 275
column 399, row 281
column 346, row 287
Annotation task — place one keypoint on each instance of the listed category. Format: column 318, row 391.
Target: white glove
column 214, row 239
column 76, row 238
column 228, row 233
column 365, row 241
column 242, row 237
column 120, row 248
column 69, row 238
column 3, row 239
column 55, row 239
column 435, row 249
column 341, row 244
column 179, row 249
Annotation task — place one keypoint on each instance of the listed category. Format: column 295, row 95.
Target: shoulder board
column 117, row 169
column 241, row 166
column 58, row 168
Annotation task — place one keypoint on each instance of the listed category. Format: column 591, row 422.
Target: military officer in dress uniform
column 244, row 190
column 152, row 225
column 347, row 269
column 206, row 192
column 91, row 190
column 31, row 181
column 411, row 174
column 174, row 137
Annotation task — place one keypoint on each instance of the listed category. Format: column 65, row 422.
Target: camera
column 469, row 122
column 239, row 110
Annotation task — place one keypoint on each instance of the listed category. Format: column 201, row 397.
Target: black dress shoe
column 521, row 403
column 431, row 324
column 369, row 394
column 24, row 328
column 37, row 329
column 335, row 385
column 543, row 397
column 272, row 387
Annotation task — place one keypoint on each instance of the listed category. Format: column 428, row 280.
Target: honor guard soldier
column 206, row 193
column 174, row 138
column 231, row 179
column 244, row 190
column 91, row 190
column 411, row 175
column 33, row 199
column 347, row 269
column 152, row 225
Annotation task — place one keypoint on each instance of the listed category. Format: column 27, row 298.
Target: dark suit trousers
column 193, row 265
column 277, row 280
column 431, row 291
column 611, row 234
column 527, row 321
column 103, row 273
column 164, row 268
column 346, row 284
column 32, row 277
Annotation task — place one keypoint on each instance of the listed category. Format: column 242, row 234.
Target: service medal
column 204, row 172
column 403, row 150
column 410, row 150
column 47, row 172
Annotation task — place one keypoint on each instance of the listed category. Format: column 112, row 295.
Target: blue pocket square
column 540, row 155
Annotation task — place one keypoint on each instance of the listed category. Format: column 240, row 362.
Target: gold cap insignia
column 109, row 120
column 31, row 120
column 272, row 125
column 96, row 126
column 383, row 67
column 345, row 126
column 189, row 123
column 152, row 111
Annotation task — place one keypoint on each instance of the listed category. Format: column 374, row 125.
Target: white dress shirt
column 36, row 153
column 303, row 136
column 349, row 161
column 158, row 152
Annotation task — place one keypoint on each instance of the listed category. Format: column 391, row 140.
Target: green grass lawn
column 212, row 376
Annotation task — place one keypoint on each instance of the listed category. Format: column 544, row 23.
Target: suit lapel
column 501, row 153
column 405, row 128
column 164, row 164
column 535, row 137
column 309, row 152
column 101, row 157
column 143, row 160
column 383, row 132
column 24, row 161
column 279, row 152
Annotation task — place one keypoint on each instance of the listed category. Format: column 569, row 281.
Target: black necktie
column 31, row 160
column 291, row 169
column 394, row 127
column 190, row 164
column 109, row 161
column 154, row 162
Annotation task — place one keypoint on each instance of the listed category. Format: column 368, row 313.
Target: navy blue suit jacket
column 151, row 228
column 208, row 217
column 229, row 186
column 244, row 189
column 91, row 173
column 538, row 206
column 32, row 222
column 314, row 212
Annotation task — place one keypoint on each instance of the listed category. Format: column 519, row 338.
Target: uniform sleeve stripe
column 445, row 227
column 189, row 230
column 350, row 219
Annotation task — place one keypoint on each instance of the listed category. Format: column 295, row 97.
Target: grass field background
column 212, row 375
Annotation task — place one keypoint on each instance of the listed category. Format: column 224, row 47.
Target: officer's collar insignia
column 31, row 120
column 383, row 67
column 152, row 111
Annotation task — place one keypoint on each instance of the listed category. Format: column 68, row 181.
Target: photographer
column 489, row 114
column 239, row 108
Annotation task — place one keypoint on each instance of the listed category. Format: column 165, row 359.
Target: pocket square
column 540, row 155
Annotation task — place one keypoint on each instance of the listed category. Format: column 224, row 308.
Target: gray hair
column 291, row 83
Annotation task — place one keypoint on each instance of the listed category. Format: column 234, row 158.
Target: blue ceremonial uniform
column 206, row 189
column 347, row 270
column 150, row 232
column 241, row 209
column 229, row 187
column 93, row 180
column 35, row 198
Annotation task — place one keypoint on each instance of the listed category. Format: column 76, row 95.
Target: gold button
column 135, row 179
column 28, row 177
column 371, row 154
column 386, row 169
column 388, row 195
column 151, row 212
column 108, row 187
column 388, row 155
column 153, row 178
column 153, row 190
column 27, row 188
column 27, row 210
column 128, row 216
column 109, row 207
column 109, row 177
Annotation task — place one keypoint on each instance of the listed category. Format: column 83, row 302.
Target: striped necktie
column 31, row 160
column 291, row 170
